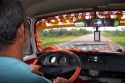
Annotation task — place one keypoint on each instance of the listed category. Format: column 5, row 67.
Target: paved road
column 87, row 42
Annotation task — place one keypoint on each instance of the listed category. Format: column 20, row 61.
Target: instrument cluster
column 56, row 59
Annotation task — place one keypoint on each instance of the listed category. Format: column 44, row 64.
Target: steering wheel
column 59, row 62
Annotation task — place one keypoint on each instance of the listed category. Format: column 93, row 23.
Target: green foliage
column 115, row 33
column 63, row 32
column 116, row 36
column 56, row 36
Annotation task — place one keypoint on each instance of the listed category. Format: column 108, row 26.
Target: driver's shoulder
column 14, row 70
column 8, row 63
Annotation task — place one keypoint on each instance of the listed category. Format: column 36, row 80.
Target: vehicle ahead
column 76, row 38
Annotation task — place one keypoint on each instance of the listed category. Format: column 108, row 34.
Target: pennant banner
column 67, row 20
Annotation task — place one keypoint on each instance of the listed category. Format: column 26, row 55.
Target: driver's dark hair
column 12, row 15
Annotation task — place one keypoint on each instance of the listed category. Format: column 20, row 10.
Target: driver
column 12, row 38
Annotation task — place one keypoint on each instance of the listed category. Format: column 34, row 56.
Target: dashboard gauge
column 53, row 59
column 62, row 60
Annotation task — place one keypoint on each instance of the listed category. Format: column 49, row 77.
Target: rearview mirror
column 97, row 22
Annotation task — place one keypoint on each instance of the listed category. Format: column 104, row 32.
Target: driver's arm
column 35, row 69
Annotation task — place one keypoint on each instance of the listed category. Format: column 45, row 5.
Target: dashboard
column 93, row 64
column 102, row 64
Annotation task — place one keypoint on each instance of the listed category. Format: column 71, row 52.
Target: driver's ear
column 21, row 32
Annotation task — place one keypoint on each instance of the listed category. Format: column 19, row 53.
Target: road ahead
column 87, row 42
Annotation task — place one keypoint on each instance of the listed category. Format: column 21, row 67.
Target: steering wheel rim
column 77, row 70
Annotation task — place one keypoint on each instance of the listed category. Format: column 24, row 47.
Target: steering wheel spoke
column 68, row 69
column 51, row 71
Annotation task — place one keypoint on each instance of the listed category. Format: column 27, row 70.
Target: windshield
column 62, row 31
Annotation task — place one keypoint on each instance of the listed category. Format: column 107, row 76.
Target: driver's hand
column 36, row 68
column 60, row 80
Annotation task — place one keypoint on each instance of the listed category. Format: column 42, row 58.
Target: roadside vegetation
column 116, row 36
column 56, row 36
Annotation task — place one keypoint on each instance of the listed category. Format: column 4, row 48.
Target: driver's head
column 12, row 31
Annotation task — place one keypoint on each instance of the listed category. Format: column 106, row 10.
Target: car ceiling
column 40, row 7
